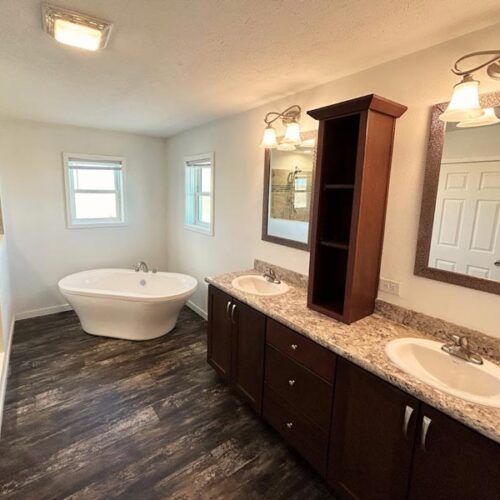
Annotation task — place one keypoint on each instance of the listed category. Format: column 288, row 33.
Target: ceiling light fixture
column 75, row 29
column 290, row 119
column 464, row 104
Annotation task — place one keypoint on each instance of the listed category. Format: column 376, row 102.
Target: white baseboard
column 4, row 372
column 197, row 309
column 44, row 311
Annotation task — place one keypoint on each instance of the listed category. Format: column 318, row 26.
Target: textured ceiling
column 173, row 64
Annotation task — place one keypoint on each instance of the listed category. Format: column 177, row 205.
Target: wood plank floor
column 90, row 417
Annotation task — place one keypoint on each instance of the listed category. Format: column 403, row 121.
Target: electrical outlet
column 389, row 286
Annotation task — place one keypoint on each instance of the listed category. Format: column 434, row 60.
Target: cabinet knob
column 289, row 425
column 294, row 347
column 291, row 382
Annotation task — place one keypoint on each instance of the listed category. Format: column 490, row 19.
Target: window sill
column 200, row 230
column 96, row 226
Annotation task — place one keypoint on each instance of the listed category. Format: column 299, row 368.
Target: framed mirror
column 459, row 233
column 288, row 181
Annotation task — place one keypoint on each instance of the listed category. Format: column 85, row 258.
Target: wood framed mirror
column 288, row 181
column 459, row 232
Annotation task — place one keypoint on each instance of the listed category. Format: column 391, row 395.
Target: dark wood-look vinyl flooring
column 90, row 417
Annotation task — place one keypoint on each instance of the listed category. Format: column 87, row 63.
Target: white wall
column 41, row 249
column 5, row 296
column 418, row 81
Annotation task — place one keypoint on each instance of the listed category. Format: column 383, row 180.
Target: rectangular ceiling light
column 75, row 29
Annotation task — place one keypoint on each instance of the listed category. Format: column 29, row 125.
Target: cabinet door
column 372, row 436
column 219, row 332
column 249, row 329
column 453, row 461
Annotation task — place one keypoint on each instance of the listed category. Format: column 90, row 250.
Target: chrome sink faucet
column 141, row 266
column 270, row 276
column 459, row 347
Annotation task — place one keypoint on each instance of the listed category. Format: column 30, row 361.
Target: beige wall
column 41, row 249
column 418, row 81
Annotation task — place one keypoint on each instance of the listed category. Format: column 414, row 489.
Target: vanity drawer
column 315, row 357
column 299, row 387
column 307, row 438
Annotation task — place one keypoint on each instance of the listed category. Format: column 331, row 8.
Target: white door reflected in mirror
column 466, row 229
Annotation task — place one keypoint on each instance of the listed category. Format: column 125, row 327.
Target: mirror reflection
column 466, row 229
column 289, row 192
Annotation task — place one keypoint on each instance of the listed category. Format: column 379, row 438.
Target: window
column 94, row 190
column 199, row 209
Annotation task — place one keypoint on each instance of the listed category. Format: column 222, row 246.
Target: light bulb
column 292, row 134
column 77, row 35
column 464, row 103
column 269, row 138
column 489, row 118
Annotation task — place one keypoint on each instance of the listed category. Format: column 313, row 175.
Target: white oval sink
column 425, row 360
column 258, row 285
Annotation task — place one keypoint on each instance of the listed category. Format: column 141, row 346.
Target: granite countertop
column 363, row 343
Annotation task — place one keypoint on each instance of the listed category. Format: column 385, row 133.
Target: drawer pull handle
column 289, row 425
column 291, row 382
column 426, row 422
column 408, row 413
column 294, row 347
column 227, row 307
column 232, row 313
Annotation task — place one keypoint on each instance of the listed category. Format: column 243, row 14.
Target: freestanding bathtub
column 126, row 304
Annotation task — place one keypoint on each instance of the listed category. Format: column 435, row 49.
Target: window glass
column 199, row 193
column 94, row 190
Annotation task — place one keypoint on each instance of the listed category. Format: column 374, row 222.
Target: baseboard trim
column 5, row 371
column 44, row 311
column 197, row 309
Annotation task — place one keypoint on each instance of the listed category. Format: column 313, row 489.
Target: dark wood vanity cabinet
column 386, row 444
column 298, row 391
column 369, row 439
column 235, row 347
column 453, row 461
column 372, row 436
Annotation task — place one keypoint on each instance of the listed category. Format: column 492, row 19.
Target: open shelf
column 340, row 145
column 335, row 225
column 331, row 278
column 329, row 187
column 354, row 156
column 334, row 244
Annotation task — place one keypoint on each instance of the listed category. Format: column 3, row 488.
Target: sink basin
column 425, row 360
column 258, row 285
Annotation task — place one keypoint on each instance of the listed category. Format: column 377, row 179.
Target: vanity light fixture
column 488, row 118
column 290, row 119
column 464, row 104
column 75, row 29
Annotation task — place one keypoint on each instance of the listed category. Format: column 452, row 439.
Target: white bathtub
column 126, row 304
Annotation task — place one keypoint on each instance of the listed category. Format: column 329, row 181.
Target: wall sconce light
column 290, row 118
column 464, row 106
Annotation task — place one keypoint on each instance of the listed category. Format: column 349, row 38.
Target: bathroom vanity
column 331, row 392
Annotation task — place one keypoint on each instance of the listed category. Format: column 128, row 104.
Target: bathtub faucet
column 141, row 266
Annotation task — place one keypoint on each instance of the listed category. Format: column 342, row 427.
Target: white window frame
column 71, row 221
column 197, row 225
